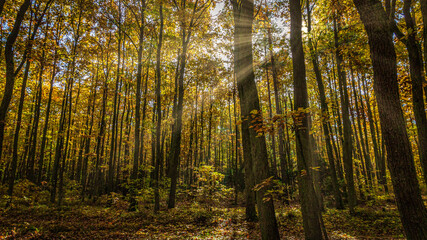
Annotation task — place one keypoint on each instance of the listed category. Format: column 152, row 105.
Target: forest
column 213, row 119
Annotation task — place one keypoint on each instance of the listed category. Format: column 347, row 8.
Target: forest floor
column 377, row 219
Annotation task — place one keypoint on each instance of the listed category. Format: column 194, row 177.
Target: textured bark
column 399, row 154
column 251, row 113
column 424, row 14
column 417, row 78
column 312, row 218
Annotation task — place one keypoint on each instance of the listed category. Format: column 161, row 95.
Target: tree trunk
column 33, row 144
column 347, row 131
column 325, row 115
column 251, row 113
column 46, row 120
column 136, row 153
column 17, row 129
column 399, row 154
column 159, row 114
column 10, row 69
column 417, row 78
column 424, row 14
column 113, row 143
column 312, row 218
column 175, row 152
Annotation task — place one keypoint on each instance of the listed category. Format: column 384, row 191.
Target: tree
column 399, row 154
column 312, row 218
column 9, row 54
column 347, row 130
column 325, row 114
column 251, row 112
column 158, row 156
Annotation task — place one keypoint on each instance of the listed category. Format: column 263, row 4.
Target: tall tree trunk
column 174, row 154
column 358, row 134
column 399, row 154
column 424, row 14
column 312, row 218
column 33, row 144
column 281, row 137
column 251, row 113
column 17, row 129
column 158, row 113
column 113, row 143
column 380, row 164
column 46, row 120
column 347, row 131
column 325, row 115
column 9, row 54
column 270, row 115
column 136, row 153
column 59, row 142
column 417, row 78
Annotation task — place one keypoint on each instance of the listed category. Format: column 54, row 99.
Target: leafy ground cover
column 187, row 221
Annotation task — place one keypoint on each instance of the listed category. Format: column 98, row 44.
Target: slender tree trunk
column 325, row 116
column 424, row 14
column 359, row 135
column 347, row 131
column 113, row 143
column 100, row 139
column 281, row 137
column 270, row 115
column 136, row 153
column 9, row 54
column 17, row 129
column 158, row 113
column 32, row 154
column 91, row 111
column 378, row 159
column 59, row 142
column 312, row 218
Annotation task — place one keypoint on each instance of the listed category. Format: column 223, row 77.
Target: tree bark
column 251, row 114
column 312, row 218
column 417, row 79
column 399, row 154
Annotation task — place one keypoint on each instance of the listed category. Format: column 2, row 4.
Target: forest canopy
column 221, row 119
